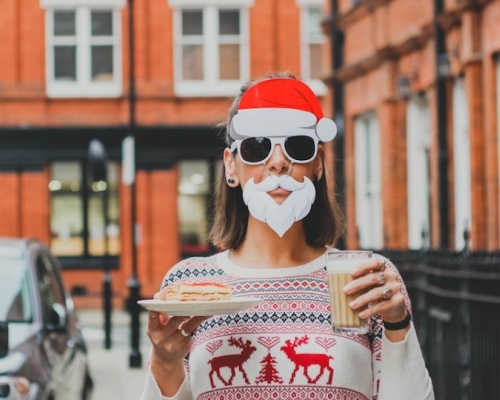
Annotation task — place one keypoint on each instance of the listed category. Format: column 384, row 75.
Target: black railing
column 456, row 311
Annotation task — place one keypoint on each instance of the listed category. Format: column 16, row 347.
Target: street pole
column 337, row 58
column 98, row 171
column 135, row 358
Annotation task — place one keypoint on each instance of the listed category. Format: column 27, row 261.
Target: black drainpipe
column 337, row 53
column 441, row 104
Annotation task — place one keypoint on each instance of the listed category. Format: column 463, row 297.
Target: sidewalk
column 113, row 378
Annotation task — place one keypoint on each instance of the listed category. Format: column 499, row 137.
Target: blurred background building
column 414, row 86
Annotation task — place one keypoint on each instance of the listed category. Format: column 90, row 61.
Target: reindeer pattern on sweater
column 282, row 348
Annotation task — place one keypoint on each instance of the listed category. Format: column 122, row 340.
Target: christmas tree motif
column 268, row 372
column 305, row 360
column 232, row 361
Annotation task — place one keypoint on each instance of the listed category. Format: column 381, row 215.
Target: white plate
column 200, row 308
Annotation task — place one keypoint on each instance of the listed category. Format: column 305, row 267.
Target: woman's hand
column 382, row 283
column 171, row 339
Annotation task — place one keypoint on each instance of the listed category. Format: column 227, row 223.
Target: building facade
column 67, row 81
column 420, row 99
column 414, row 86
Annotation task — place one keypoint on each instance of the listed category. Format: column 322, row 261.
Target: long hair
column 323, row 225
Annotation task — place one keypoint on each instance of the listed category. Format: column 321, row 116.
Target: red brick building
column 415, row 86
column 65, row 81
column 421, row 107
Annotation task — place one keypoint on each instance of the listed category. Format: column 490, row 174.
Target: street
column 113, row 379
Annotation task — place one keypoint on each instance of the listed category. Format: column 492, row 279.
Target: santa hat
column 281, row 107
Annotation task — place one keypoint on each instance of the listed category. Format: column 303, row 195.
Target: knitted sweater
column 284, row 348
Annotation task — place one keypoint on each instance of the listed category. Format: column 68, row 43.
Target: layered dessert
column 198, row 291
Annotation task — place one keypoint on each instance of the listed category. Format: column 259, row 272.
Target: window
column 193, row 201
column 418, row 128
column 83, row 45
column 211, row 47
column 77, row 220
column 17, row 298
column 312, row 44
column 461, row 162
column 368, row 182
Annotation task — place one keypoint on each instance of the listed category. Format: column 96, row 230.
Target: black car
column 42, row 351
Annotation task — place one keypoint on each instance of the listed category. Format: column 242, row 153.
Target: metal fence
column 456, row 311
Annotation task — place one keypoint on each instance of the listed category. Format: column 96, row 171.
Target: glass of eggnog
column 340, row 265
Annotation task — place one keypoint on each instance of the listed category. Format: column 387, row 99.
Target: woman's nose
column 278, row 161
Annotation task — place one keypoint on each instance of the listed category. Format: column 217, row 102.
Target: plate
column 200, row 308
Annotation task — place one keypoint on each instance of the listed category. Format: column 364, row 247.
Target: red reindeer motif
column 232, row 361
column 305, row 360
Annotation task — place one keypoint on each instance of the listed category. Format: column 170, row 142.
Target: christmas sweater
column 284, row 347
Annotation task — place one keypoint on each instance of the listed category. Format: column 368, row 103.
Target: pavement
column 113, row 378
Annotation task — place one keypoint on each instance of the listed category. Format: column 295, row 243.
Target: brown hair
column 323, row 225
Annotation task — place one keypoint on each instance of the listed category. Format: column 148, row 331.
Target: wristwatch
column 396, row 326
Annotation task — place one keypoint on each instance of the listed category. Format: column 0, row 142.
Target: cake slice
column 198, row 291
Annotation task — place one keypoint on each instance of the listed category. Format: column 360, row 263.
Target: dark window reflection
column 65, row 63
column 102, row 23
column 64, row 23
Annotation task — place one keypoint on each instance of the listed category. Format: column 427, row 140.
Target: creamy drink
column 340, row 265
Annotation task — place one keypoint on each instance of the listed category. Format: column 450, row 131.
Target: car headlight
column 14, row 387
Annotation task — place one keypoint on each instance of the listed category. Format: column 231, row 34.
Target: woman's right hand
column 170, row 336
column 171, row 339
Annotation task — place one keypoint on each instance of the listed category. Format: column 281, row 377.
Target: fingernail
column 353, row 304
column 347, row 288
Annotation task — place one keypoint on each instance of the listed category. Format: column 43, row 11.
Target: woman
column 275, row 218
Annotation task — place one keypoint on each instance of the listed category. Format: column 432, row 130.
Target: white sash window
column 211, row 53
column 368, row 182
column 461, row 157
column 418, row 128
column 83, row 48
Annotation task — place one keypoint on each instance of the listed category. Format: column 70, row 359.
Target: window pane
column 193, row 201
column 66, row 222
column 192, row 62
column 315, row 57
column 102, row 63
column 65, row 63
column 229, row 22
column 64, row 23
column 229, row 61
column 192, row 22
column 314, row 23
column 102, row 23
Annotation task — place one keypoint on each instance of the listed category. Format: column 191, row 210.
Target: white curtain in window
column 461, row 157
column 417, row 153
column 368, row 182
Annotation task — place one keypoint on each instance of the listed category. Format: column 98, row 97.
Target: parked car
column 43, row 354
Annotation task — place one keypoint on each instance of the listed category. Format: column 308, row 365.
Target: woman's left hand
column 382, row 283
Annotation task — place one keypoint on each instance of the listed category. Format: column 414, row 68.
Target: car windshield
column 15, row 293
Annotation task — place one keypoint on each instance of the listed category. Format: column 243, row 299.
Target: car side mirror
column 4, row 339
column 57, row 318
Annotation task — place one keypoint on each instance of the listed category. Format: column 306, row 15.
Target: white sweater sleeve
column 403, row 372
column 151, row 390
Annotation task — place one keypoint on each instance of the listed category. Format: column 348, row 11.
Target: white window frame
column 418, row 130
column 211, row 86
column 319, row 88
column 368, row 178
column 83, row 87
column 461, row 162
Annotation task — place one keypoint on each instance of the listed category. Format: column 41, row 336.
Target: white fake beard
column 280, row 217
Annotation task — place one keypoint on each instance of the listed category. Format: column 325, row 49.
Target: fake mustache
column 283, row 181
